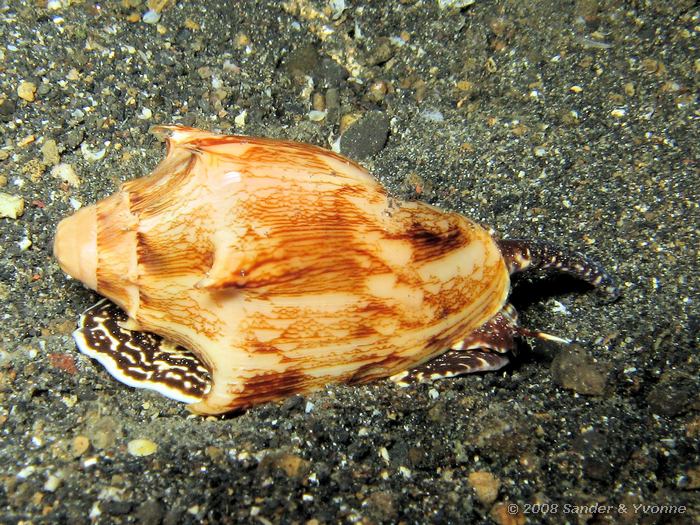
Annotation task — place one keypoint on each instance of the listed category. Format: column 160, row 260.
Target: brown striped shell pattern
column 243, row 270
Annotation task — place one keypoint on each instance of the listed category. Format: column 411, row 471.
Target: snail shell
column 283, row 267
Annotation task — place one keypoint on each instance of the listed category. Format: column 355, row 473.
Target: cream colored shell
column 282, row 266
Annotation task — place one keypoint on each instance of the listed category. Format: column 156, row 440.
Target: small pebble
column 507, row 514
column 674, row 394
column 150, row 512
column 91, row 155
column 79, row 445
column 26, row 141
column 539, row 151
column 618, row 113
column 11, row 206
column 337, row 8
column 239, row 120
column 141, row 447
column 692, row 481
column 382, row 506
column 485, row 485
column 454, row 4
column 432, row 115
column 116, row 508
column 24, row 244
column 575, row 370
column 302, row 61
column 292, row 465
column 366, row 136
column 380, row 52
column 377, row 91
column 316, row 116
column 7, row 109
column 26, row 472
column 27, row 91
column 49, row 152
column 52, row 483
column 347, row 120
column 66, row 173
column 318, row 102
column 151, row 17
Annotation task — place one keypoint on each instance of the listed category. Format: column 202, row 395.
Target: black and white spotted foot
column 450, row 364
column 521, row 255
column 484, row 350
column 140, row 359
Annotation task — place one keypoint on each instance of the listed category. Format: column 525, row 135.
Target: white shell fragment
column 11, row 206
column 66, row 173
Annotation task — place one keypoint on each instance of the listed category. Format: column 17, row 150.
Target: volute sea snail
column 283, row 267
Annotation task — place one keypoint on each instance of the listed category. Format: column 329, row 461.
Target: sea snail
column 243, row 270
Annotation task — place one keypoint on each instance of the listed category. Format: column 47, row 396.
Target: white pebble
column 240, row 119
column 316, row 116
column 454, row 4
column 24, row 244
column 11, row 206
column 432, row 115
column 145, row 114
column 92, row 155
column 151, row 17
column 335, row 145
column 26, row 472
column 559, row 308
column 384, row 454
column 66, row 173
column 95, row 511
column 90, row 462
column 618, row 113
column 52, row 483
column 337, row 8
column 141, row 447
